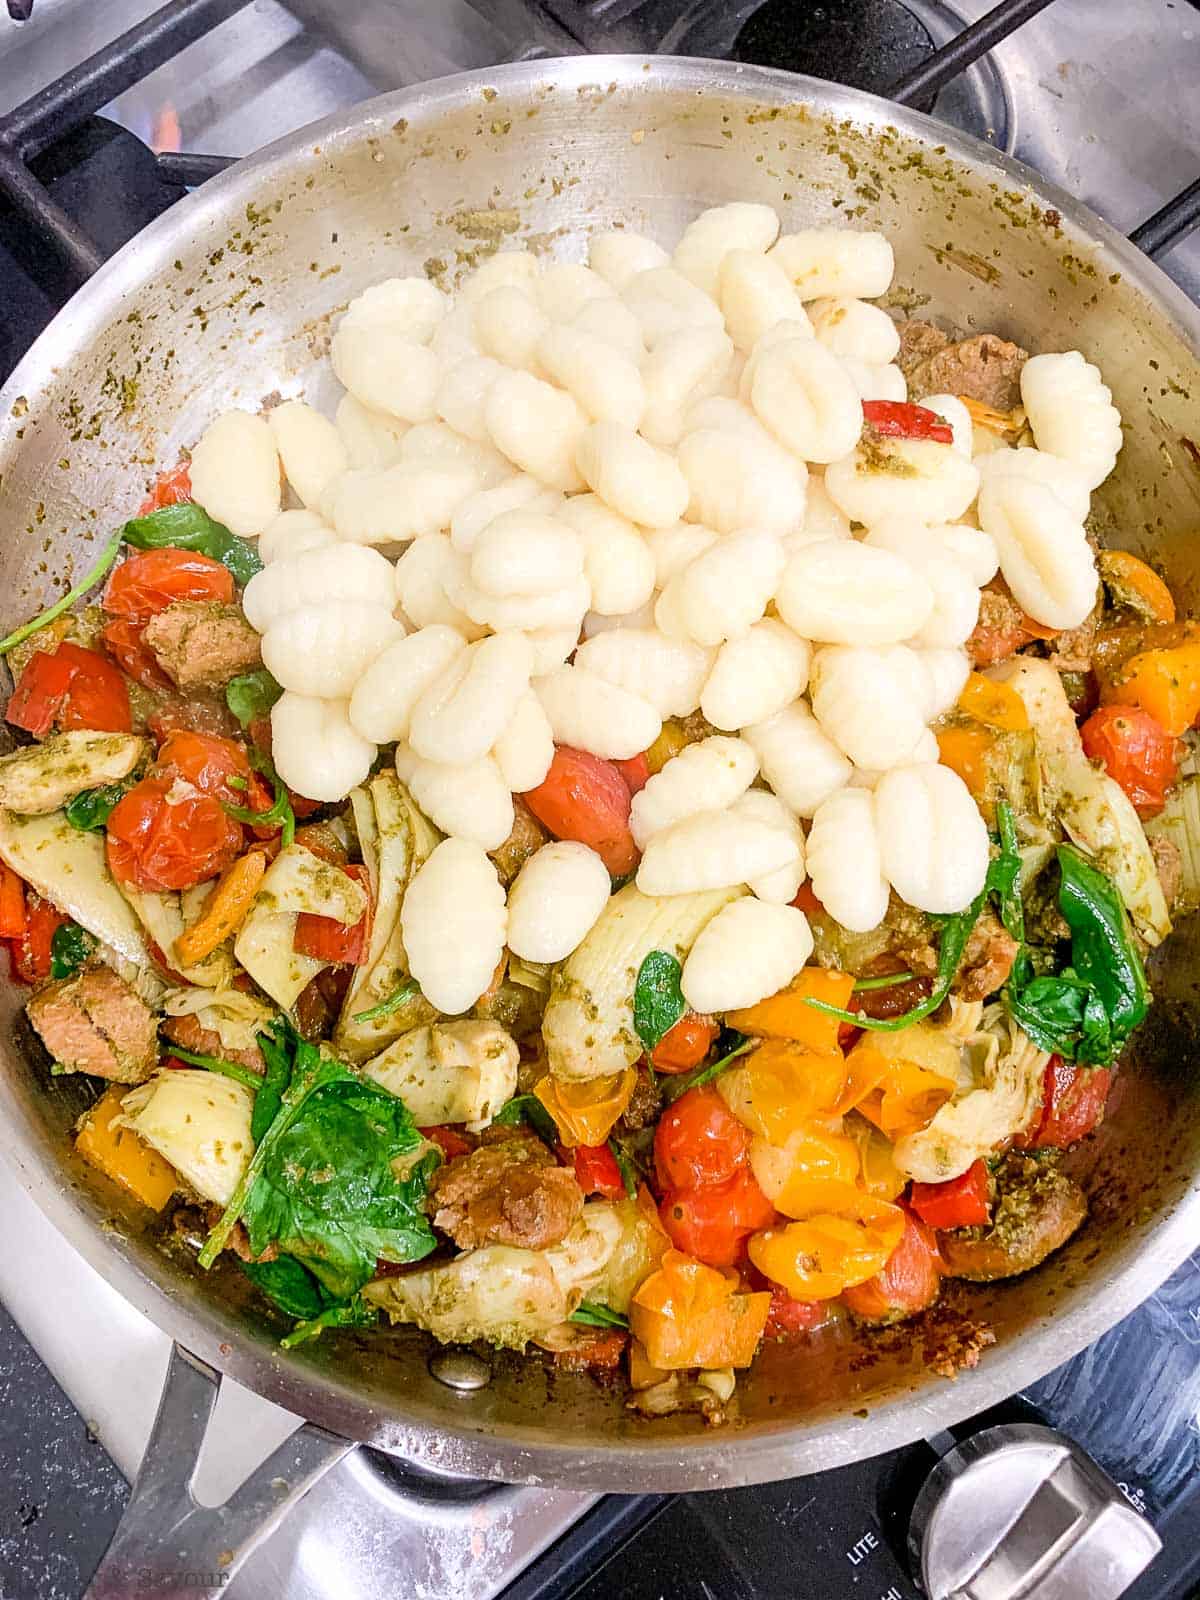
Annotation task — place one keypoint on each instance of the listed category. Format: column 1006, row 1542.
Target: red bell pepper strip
column 960, row 1202
column 327, row 939
column 900, row 419
column 12, row 904
column 597, row 1172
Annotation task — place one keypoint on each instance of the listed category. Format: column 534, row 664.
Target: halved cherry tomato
column 597, row 1172
column 70, row 688
column 909, row 1281
column 960, row 1202
column 156, row 843
column 1073, row 1105
column 327, row 939
column 31, row 952
column 123, row 641
column 148, row 582
column 712, row 1223
column 587, row 799
column 172, row 486
column 449, row 1140
column 699, row 1141
column 685, row 1045
column 788, row 1318
column 1136, row 751
column 900, row 419
column 207, row 761
column 635, row 770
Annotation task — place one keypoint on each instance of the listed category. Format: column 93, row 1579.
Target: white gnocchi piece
column 313, row 577
column 436, row 443
column 822, row 519
column 855, row 330
column 806, row 397
column 755, row 293
column 385, row 370
column 1070, row 410
column 525, row 553
column 631, row 475
column 468, row 801
column 309, row 447
column 955, row 593
column 957, row 418
column 423, row 576
column 566, row 287
column 316, row 750
column 836, row 263
column 588, row 713
column 517, row 492
column 672, row 549
column 605, row 384
column 525, row 750
column 843, row 592
column 748, row 951
column 382, row 704
column 707, row 776
column 683, row 368
column 516, row 268
column 612, row 321
column 872, row 702
column 508, row 326
column 664, row 301
column 1044, row 554
column 412, row 307
column 946, row 672
column 551, row 646
column 555, row 900
column 845, row 862
column 466, row 709
column 617, row 561
column 723, row 413
column 461, row 396
column 712, row 850
column 1051, row 472
column 800, row 762
column 538, row 427
column 561, row 610
column 596, row 622
column 619, row 256
column 755, row 676
column 454, row 337
column 410, row 500
column 667, row 672
column 235, row 473
column 291, row 534
column 917, row 478
column 371, row 438
column 933, row 842
column 970, row 548
column 778, row 887
column 876, row 383
column 323, row 650
column 708, row 238
column 739, row 478
column 454, row 922
column 725, row 591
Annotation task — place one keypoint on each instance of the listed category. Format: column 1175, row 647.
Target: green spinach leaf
column 658, row 1001
column 289, row 1286
column 279, row 811
column 528, row 1108
column 593, row 1315
column 274, row 1082
column 91, row 808
column 676, row 1086
column 626, row 1167
column 352, row 1313
column 251, row 695
column 395, row 1001
column 187, row 527
column 70, row 948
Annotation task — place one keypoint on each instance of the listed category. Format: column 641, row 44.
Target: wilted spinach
column 658, row 1001
column 187, row 527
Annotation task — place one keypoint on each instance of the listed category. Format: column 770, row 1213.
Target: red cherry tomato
column 13, row 918
column 172, row 486
column 807, row 901
column 327, row 939
column 1135, row 750
column 900, row 419
column 123, row 641
column 597, row 1172
column 448, row 1140
column 699, row 1141
column 713, row 1223
column 31, row 951
column 148, row 582
column 909, row 1282
column 207, row 761
column 1073, row 1105
column 960, row 1202
column 70, row 688
column 685, row 1045
column 157, row 843
column 788, row 1318
column 587, row 799
column 636, row 772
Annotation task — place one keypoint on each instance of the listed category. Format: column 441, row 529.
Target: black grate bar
column 1167, row 227
column 27, row 196
column 69, row 100
column 191, row 170
column 963, row 50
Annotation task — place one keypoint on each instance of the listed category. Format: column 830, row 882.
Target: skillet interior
column 229, row 297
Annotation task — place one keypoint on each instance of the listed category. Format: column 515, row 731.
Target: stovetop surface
column 1099, row 98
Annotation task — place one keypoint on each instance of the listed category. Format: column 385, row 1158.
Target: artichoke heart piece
column 296, row 881
column 449, row 1071
column 165, row 915
column 199, row 1122
column 588, row 1026
column 43, row 777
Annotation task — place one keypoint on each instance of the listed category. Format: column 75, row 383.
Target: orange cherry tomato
column 712, row 1223
column 172, row 486
column 70, row 688
column 207, row 761
column 597, row 1172
column 685, row 1045
column 908, row 1281
column 150, row 580
column 699, row 1141
column 960, row 1202
column 157, row 843
column 327, row 939
column 123, row 641
column 1136, row 751
column 586, row 799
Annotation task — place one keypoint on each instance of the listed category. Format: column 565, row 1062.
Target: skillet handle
column 166, row 1542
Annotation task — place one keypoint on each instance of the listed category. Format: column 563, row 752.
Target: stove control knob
column 1021, row 1513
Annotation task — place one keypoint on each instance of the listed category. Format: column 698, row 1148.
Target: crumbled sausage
column 190, row 1034
column 987, row 960
column 1037, row 1210
column 1001, row 629
column 95, row 1023
column 596, row 1350
column 527, row 837
column 201, row 645
column 985, row 368
column 510, row 1191
column 1072, row 651
column 645, row 1103
column 1169, row 863
column 919, row 343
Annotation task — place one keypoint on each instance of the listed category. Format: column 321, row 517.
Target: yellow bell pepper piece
column 996, row 704
column 787, row 1016
column 690, row 1315
column 585, row 1113
column 121, row 1156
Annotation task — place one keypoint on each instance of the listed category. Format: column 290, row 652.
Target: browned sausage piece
column 95, row 1023
column 527, row 836
column 987, row 959
column 985, row 368
column 189, row 1033
column 201, row 645
column 1039, row 1209
column 509, row 1192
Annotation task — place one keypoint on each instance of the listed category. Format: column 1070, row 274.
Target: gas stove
column 130, row 107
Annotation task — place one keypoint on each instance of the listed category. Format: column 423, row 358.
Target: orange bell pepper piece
column 225, row 910
column 967, row 751
column 1136, row 585
column 121, row 1155
column 689, row 1315
column 584, row 1113
column 906, row 1099
column 1166, row 683
column 787, row 1016
column 817, row 1258
column 996, row 704
column 781, row 1087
